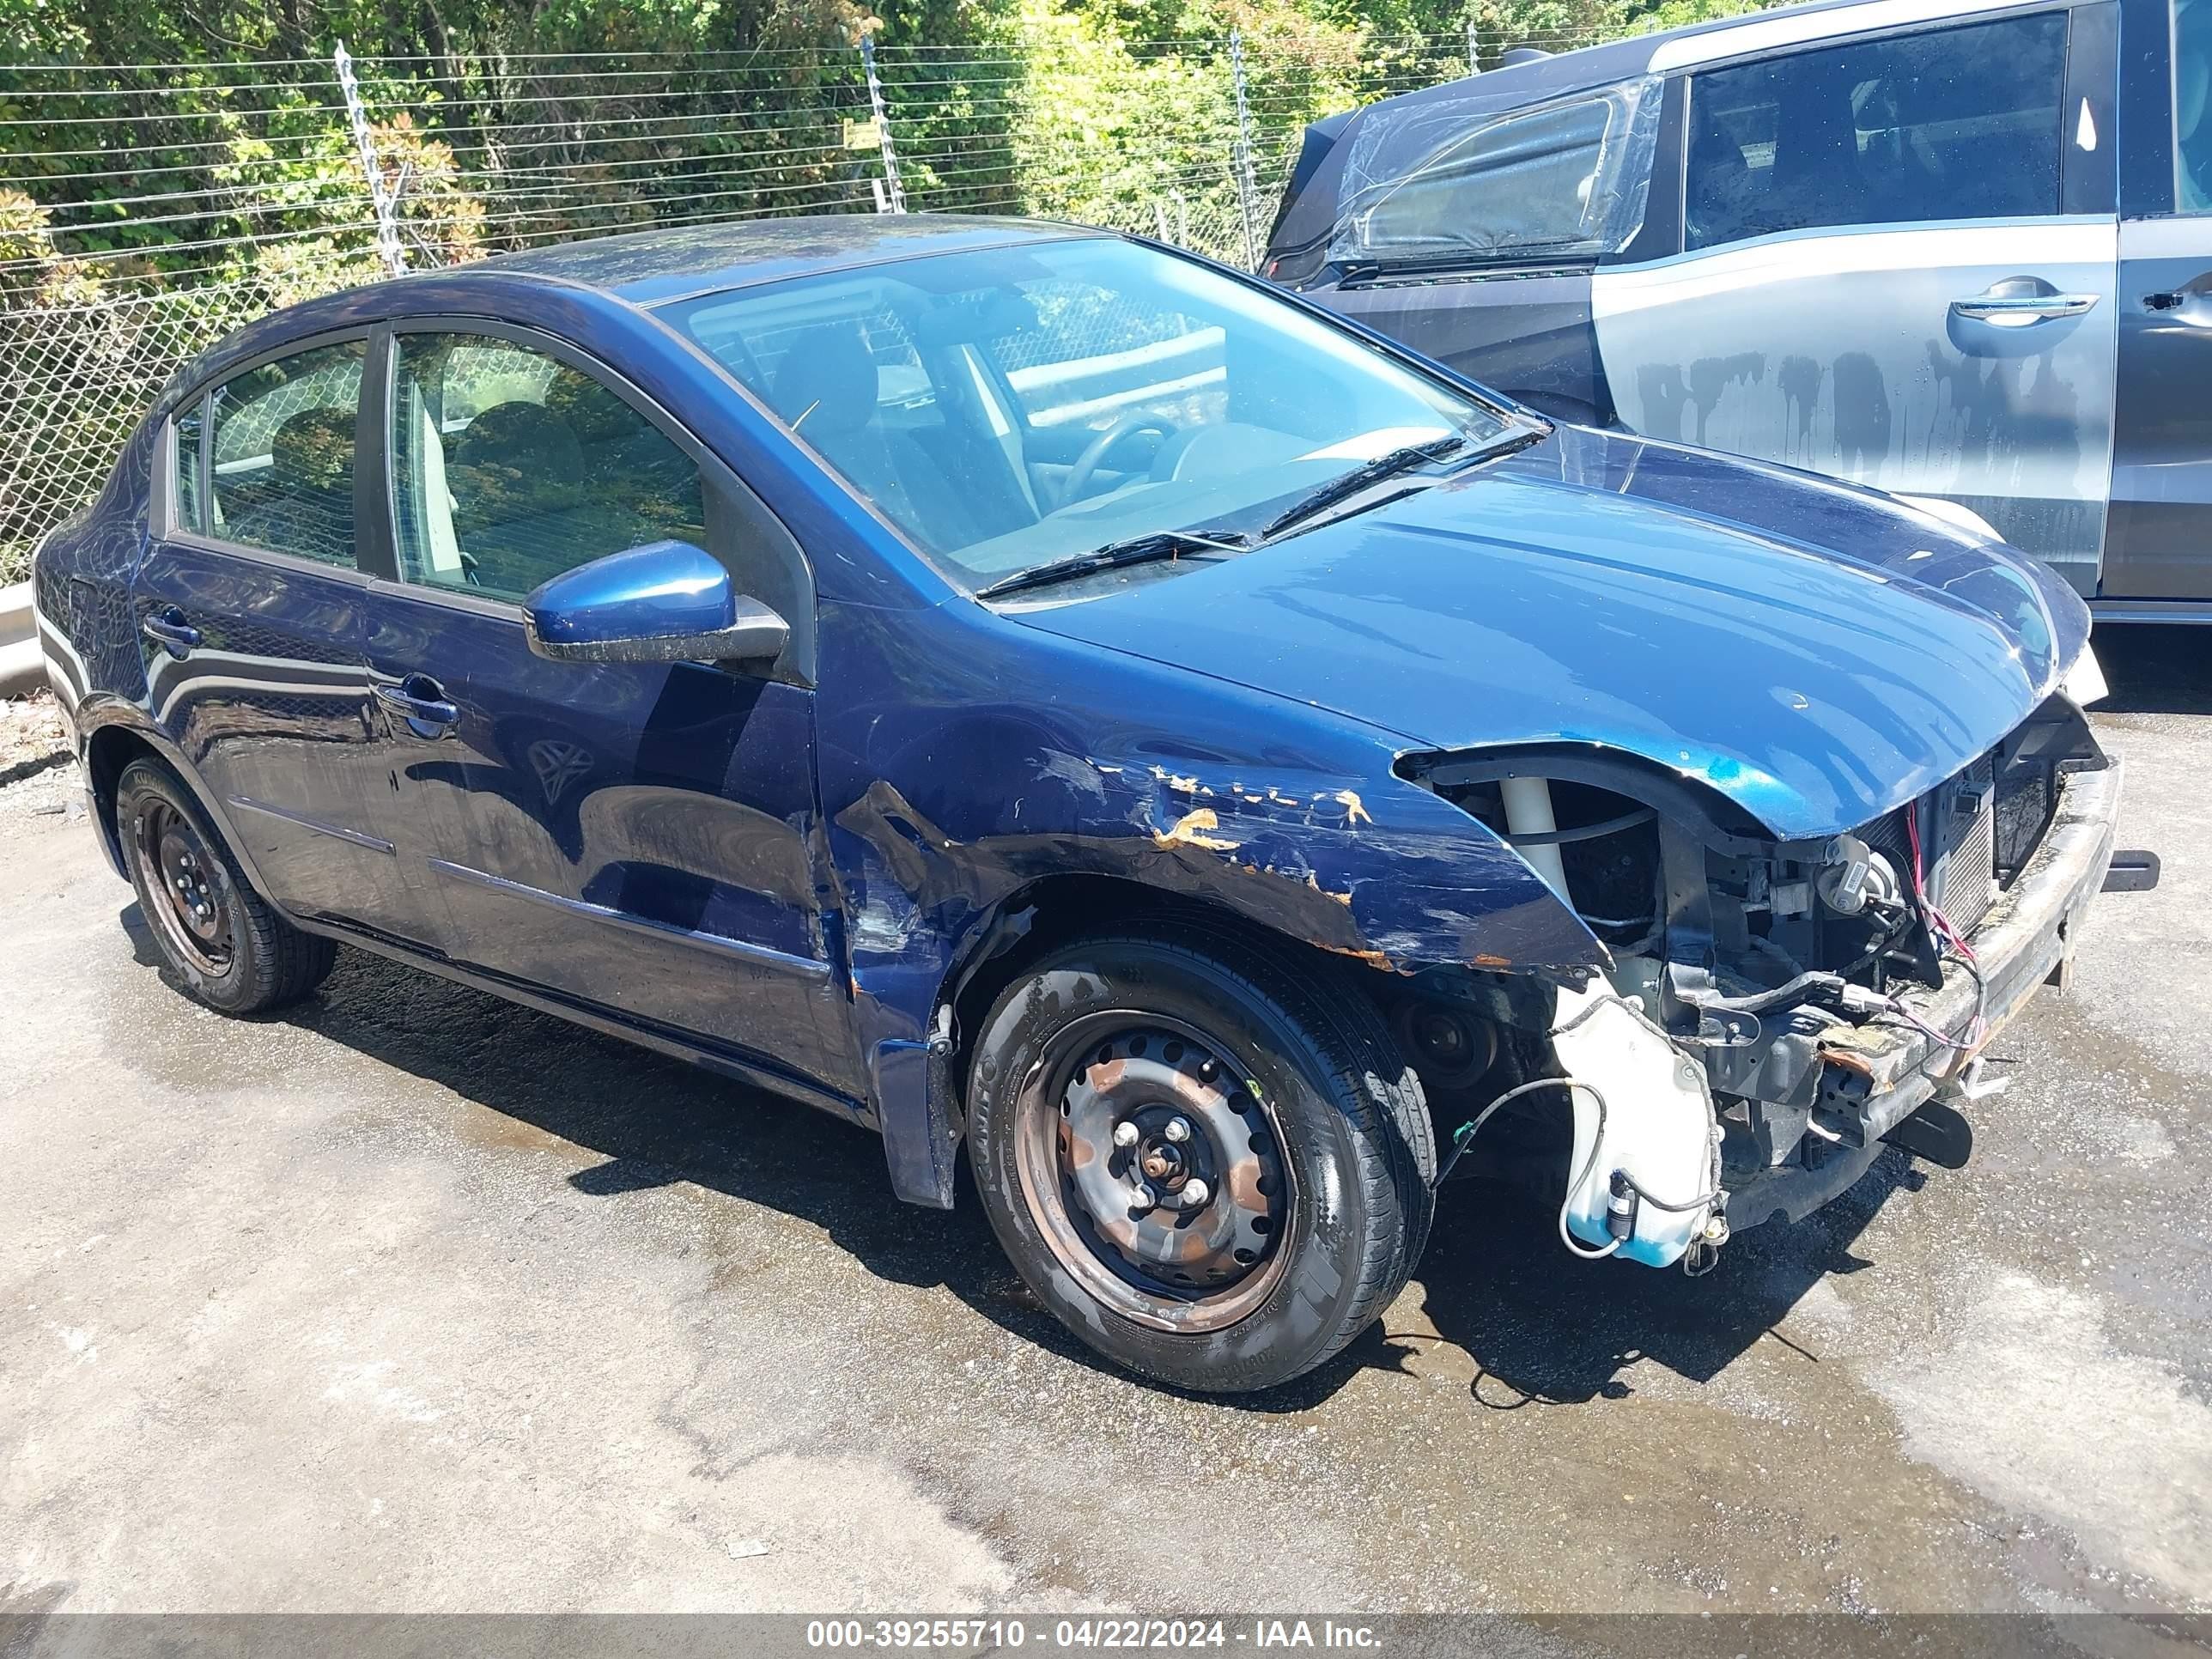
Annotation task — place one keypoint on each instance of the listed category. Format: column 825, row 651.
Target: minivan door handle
column 167, row 628
column 2018, row 309
column 421, row 702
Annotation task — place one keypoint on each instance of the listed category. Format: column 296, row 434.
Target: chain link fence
column 142, row 218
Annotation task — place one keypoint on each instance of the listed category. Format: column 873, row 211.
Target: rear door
column 632, row 836
column 2159, row 545
column 1898, row 266
column 250, row 605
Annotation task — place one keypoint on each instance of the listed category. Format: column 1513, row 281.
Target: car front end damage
column 1770, row 1013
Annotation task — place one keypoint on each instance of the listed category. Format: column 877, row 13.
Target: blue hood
column 1816, row 652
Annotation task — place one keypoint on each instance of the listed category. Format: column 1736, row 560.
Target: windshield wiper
column 1348, row 484
column 1137, row 550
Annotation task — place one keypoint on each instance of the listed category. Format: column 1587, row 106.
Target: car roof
column 654, row 266
column 642, row 268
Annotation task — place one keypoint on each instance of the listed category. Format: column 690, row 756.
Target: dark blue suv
column 1019, row 687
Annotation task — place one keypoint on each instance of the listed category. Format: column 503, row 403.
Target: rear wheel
column 1215, row 1171
column 231, row 950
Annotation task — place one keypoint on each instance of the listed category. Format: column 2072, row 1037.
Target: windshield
column 1009, row 407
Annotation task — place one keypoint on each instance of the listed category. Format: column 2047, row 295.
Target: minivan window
column 283, row 454
column 1458, row 180
column 1948, row 124
column 1524, row 185
column 509, row 467
column 1007, row 407
column 2192, row 87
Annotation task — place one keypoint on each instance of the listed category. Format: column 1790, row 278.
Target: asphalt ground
column 410, row 1301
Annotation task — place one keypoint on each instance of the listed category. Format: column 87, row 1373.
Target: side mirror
column 663, row 602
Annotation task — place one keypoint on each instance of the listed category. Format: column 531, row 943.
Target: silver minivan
column 1960, row 250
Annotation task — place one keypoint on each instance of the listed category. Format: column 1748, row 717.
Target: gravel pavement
column 413, row 1301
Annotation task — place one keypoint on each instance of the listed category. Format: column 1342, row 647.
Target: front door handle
column 167, row 628
column 2017, row 309
column 421, row 702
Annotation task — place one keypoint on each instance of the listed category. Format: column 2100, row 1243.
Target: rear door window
column 2192, row 90
column 282, row 453
column 1526, row 182
column 1940, row 126
column 1564, row 180
column 186, row 431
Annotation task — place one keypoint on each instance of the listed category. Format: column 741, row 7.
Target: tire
column 232, row 950
column 1299, row 1241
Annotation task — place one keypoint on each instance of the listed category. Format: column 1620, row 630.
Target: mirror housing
column 663, row 602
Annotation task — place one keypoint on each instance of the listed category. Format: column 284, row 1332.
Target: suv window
column 1527, row 181
column 1949, row 124
column 283, row 454
column 1566, row 179
column 2193, row 84
column 509, row 467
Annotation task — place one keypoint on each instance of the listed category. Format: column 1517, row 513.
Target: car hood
column 1816, row 652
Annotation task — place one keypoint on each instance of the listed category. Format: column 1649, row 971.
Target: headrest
column 825, row 386
column 523, row 438
column 312, row 451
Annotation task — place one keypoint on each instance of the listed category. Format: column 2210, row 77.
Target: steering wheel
column 1079, row 476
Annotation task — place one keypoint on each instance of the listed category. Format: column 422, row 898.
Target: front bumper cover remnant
column 1883, row 1073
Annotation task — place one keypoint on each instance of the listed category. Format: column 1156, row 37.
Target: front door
column 1898, row 267
column 630, row 836
column 251, row 608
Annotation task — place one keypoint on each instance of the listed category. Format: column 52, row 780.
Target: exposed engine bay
column 1771, row 1013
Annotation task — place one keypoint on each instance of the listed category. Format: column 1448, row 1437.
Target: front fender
column 942, row 807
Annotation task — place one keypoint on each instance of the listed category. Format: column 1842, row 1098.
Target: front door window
column 510, row 467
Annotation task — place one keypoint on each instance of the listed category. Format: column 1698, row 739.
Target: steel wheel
column 193, row 912
column 1154, row 1167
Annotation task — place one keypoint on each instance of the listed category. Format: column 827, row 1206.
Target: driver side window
column 509, row 467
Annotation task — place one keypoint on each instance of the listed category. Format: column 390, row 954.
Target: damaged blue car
column 1028, row 690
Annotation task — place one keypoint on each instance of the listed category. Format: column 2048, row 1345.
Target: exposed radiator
column 1963, row 876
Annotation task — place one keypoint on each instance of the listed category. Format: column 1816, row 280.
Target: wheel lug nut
column 1195, row 1193
column 1178, row 1128
column 1145, row 1199
column 1125, row 1134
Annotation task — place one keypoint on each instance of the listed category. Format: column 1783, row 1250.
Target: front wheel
column 1215, row 1169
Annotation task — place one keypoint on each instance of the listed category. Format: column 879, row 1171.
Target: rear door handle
column 421, row 702
column 167, row 628
column 2022, row 307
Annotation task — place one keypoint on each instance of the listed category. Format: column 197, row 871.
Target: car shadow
column 1539, row 1328
column 1545, row 1329
column 2155, row 669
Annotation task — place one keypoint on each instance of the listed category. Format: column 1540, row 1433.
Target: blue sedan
column 1027, row 689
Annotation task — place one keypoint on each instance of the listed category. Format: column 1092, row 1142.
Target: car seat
column 516, row 475
column 826, row 389
column 309, row 508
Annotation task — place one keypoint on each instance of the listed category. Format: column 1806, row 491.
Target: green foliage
column 146, row 211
